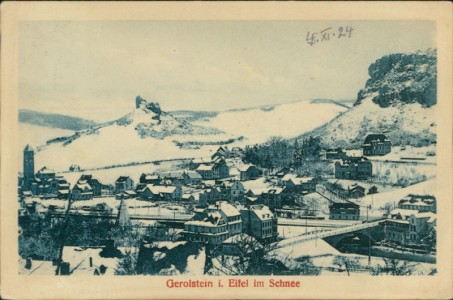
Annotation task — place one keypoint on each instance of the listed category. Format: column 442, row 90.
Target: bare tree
column 348, row 263
column 250, row 258
column 127, row 265
column 393, row 266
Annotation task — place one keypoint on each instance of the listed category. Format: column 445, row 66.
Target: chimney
column 102, row 269
column 64, row 268
column 28, row 263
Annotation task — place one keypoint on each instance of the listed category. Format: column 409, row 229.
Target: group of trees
column 42, row 235
column 278, row 153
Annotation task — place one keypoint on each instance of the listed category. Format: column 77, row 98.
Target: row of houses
column 45, row 183
column 222, row 220
column 375, row 144
column 413, row 222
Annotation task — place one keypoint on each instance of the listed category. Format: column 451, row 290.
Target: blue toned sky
column 95, row 69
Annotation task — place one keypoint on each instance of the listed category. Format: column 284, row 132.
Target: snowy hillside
column 397, row 100
column 286, row 120
column 145, row 134
column 38, row 135
column 149, row 133
column 57, row 121
column 408, row 124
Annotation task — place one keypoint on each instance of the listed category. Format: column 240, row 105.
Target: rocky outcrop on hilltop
column 402, row 78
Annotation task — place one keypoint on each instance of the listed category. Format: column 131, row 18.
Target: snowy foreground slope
column 149, row 134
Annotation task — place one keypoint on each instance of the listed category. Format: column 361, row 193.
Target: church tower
column 123, row 219
column 29, row 167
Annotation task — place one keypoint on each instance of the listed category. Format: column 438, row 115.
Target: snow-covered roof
column 245, row 168
column 172, row 174
column 130, row 192
column 288, row 177
column 29, row 148
column 262, row 212
column 193, row 175
column 301, row 180
column 79, row 259
column 228, row 209
column 430, row 215
column 82, row 186
column 403, row 212
column 201, row 160
column 213, row 219
column 375, row 138
column 45, row 170
column 204, row 167
column 160, row 189
column 238, row 238
column 122, row 178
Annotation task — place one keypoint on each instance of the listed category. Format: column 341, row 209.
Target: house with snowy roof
column 260, row 222
column 307, row 184
column 191, row 177
column 82, row 191
column 421, row 203
column 207, row 227
column 95, row 184
column 213, row 224
column 216, row 168
column 146, row 178
column 222, row 152
column 123, row 183
column 230, row 214
column 354, row 168
column 344, row 211
column 210, row 196
column 195, row 162
column 249, row 172
column 234, row 190
column 376, row 144
column 46, row 184
column 160, row 192
column 409, row 227
column 273, row 197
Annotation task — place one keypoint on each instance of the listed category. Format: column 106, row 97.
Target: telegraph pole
column 369, row 239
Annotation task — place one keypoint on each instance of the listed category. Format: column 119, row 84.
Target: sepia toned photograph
column 227, row 153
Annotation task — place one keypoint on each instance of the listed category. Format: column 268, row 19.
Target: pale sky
column 95, row 69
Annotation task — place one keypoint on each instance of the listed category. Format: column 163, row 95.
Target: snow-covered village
column 309, row 187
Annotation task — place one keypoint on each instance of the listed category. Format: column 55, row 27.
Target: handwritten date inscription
column 328, row 34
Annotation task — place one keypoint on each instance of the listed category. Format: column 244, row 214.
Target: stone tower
column 29, row 167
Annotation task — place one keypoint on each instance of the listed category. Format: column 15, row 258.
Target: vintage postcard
column 226, row 150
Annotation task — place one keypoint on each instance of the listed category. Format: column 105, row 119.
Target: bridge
column 322, row 234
